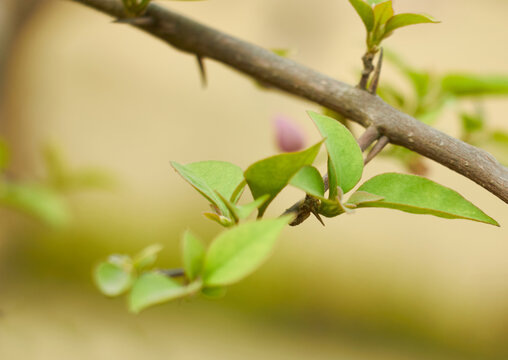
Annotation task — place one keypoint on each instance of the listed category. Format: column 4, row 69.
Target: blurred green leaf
column 360, row 197
column 401, row 20
column 472, row 122
column 219, row 219
column 147, row 256
column 375, row 2
column 309, row 180
column 282, row 52
column 155, row 288
column 271, row 175
column 63, row 179
column 238, row 252
column 4, row 155
column 214, row 292
column 193, row 254
column 365, row 12
column 210, row 176
column 345, row 154
column 418, row 195
column 35, row 200
column 112, row 279
column 475, row 85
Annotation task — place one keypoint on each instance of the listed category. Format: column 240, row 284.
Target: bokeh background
column 378, row 284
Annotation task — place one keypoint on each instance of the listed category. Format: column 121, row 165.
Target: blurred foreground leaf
column 155, row 288
column 113, row 279
column 238, row 252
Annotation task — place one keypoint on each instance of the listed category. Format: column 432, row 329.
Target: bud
column 289, row 136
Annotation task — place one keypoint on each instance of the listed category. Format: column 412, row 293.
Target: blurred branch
column 13, row 14
column 353, row 103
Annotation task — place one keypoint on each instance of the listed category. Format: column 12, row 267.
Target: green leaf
column 365, row 12
column 418, row 195
column 332, row 180
column 147, row 256
column 383, row 11
column 475, row 85
column 309, row 180
column 221, row 176
column 237, row 193
column 4, row 155
column 113, row 279
column 238, row 252
column 345, row 154
column 472, row 122
column 407, row 19
column 331, row 208
column 214, row 292
column 210, row 176
column 361, row 197
column 37, row 201
column 221, row 220
column 271, row 175
column 193, row 255
column 375, row 2
column 155, row 288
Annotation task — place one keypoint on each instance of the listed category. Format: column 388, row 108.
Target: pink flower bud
column 289, row 136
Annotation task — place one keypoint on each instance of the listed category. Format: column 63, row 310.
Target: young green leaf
column 210, row 176
column 475, row 85
column 333, row 187
column 238, row 252
column 360, row 197
column 147, row 256
column 344, row 152
column 34, row 200
column 418, row 195
column 383, row 11
column 193, row 255
column 401, row 20
column 271, row 175
column 365, row 12
column 221, row 176
column 113, row 279
column 309, row 180
column 375, row 2
column 155, row 288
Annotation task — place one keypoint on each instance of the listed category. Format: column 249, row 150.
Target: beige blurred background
column 374, row 285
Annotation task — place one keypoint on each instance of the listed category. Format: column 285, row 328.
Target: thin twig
column 172, row 272
column 377, row 74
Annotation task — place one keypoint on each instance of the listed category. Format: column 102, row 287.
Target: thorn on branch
column 380, row 145
column 202, row 70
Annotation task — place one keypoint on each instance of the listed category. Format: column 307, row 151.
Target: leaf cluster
column 380, row 20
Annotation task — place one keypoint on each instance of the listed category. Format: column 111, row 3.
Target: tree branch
column 353, row 103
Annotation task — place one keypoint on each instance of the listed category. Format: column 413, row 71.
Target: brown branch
column 353, row 103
